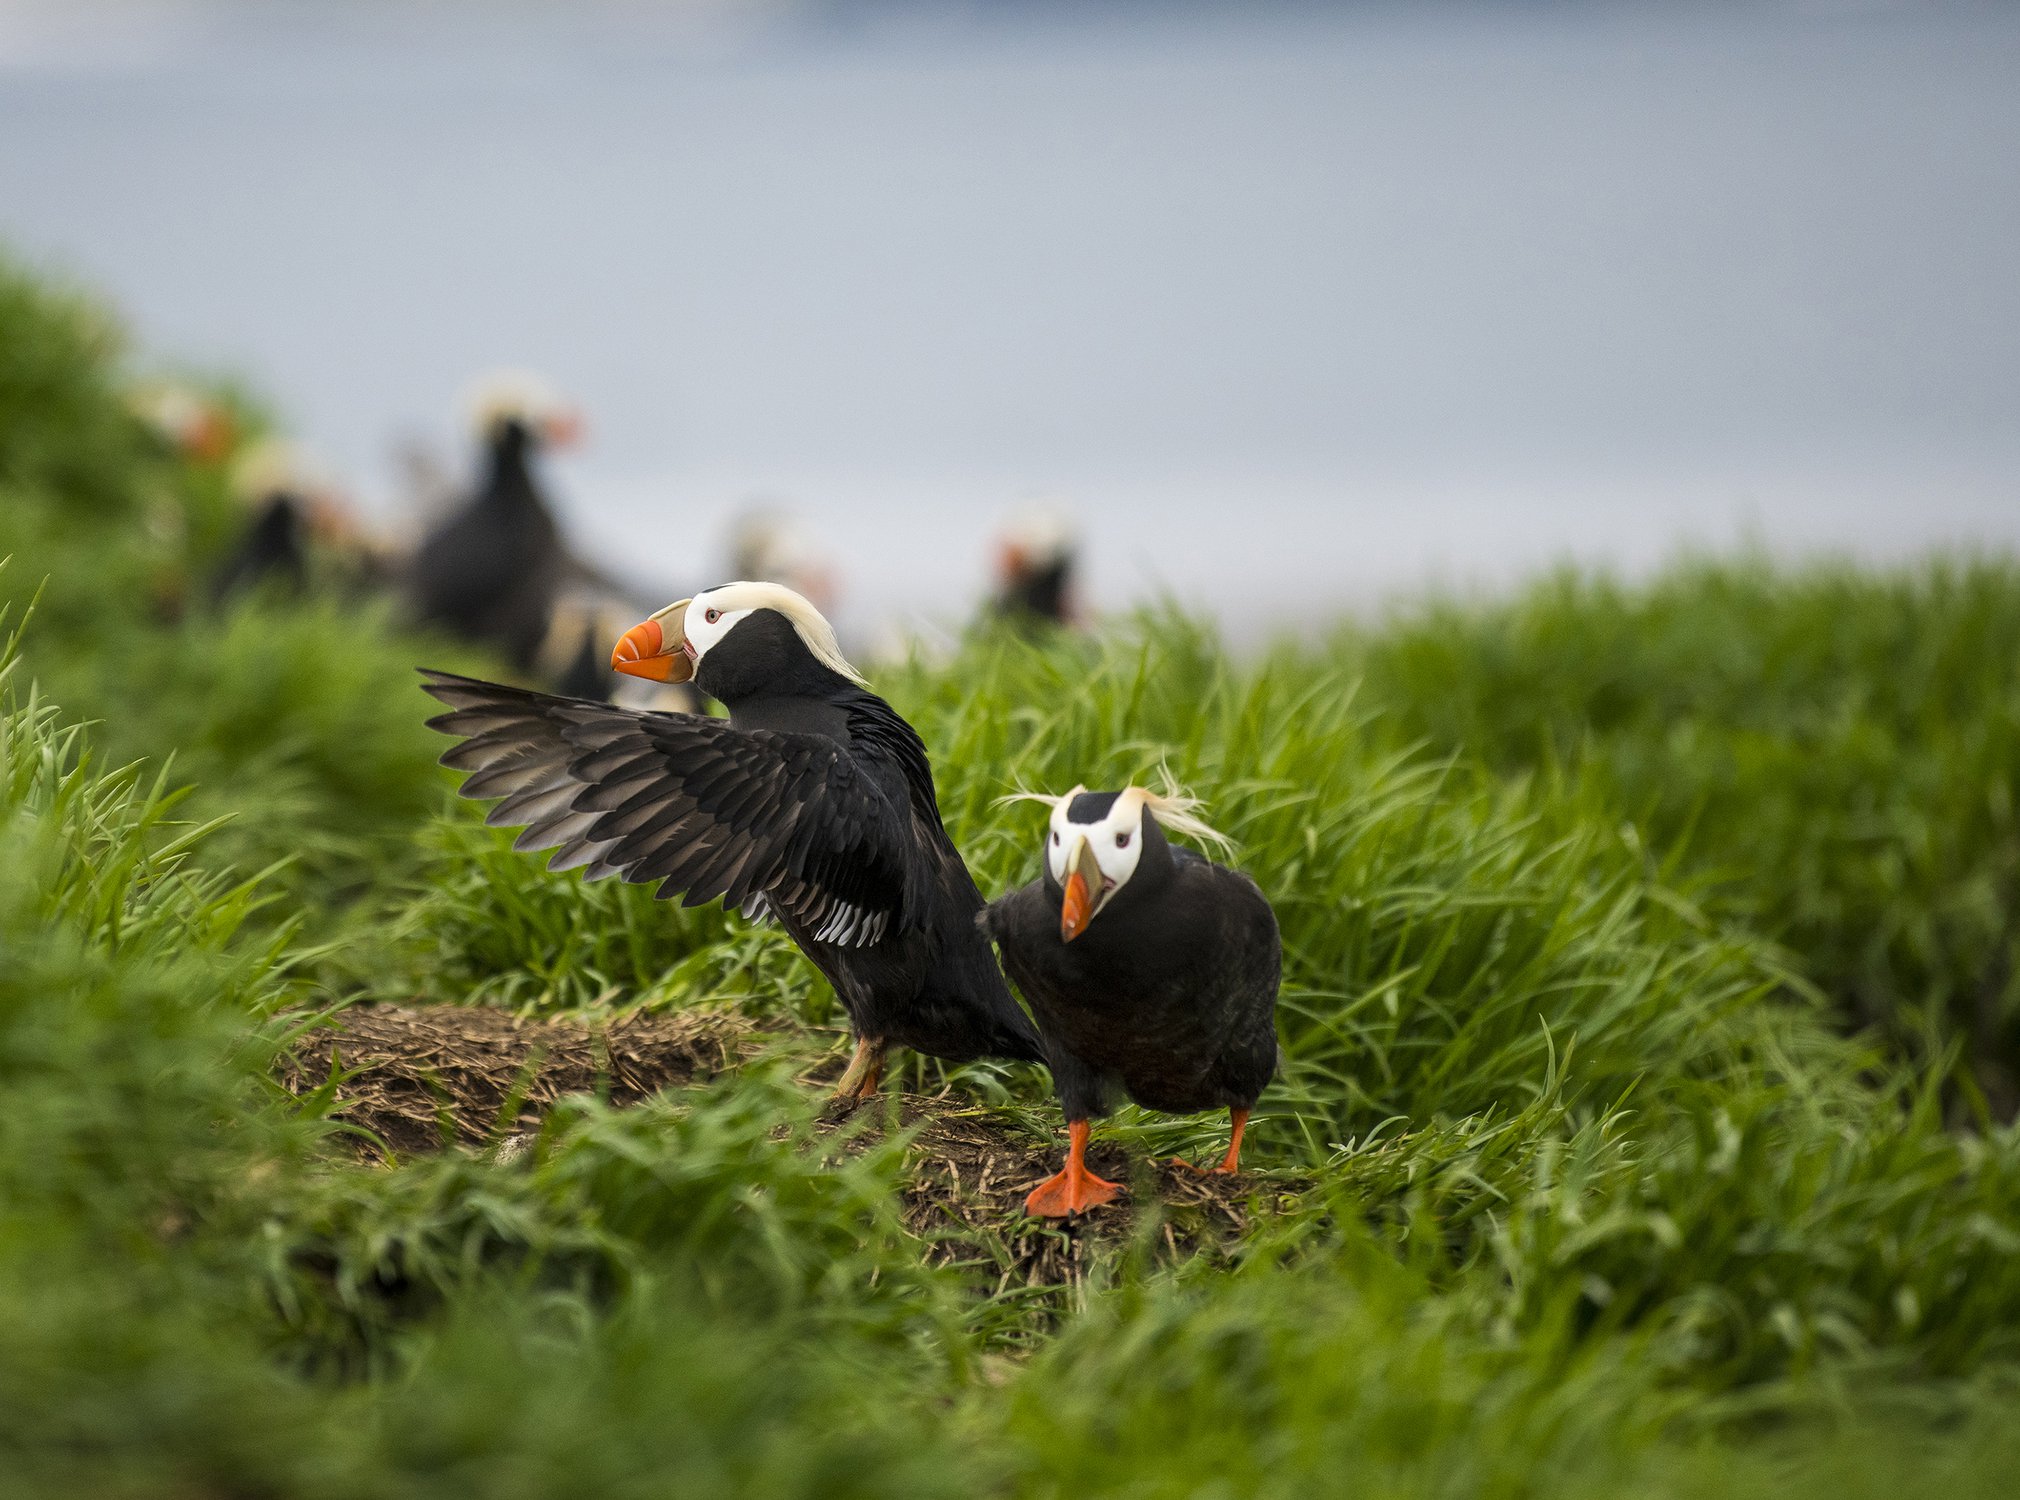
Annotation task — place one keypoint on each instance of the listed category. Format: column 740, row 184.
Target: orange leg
column 1232, row 1161
column 1073, row 1188
column 866, row 1071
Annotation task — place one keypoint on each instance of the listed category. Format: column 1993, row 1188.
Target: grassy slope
column 1838, row 751
column 1603, row 1202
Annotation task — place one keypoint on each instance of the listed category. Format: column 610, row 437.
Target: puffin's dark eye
column 711, row 615
column 1055, row 836
column 1122, row 841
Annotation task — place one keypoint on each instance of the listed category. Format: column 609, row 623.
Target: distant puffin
column 574, row 658
column 491, row 571
column 769, row 544
column 1171, row 995
column 812, row 802
column 193, row 422
column 275, row 484
column 1036, row 556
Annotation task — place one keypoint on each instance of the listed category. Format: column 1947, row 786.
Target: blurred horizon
column 1296, row 307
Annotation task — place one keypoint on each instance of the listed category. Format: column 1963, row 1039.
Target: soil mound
column 420, row 1077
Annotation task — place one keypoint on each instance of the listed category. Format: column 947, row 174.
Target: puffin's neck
column 1042, row 591
column 783, row 714
column 508, row 467
column 280, row 516
column 798, row 694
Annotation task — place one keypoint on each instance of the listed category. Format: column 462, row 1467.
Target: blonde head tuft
column 1050, row 799
column 808, row 623
column 512, row 395
column 1178, row 811
column 271, row 464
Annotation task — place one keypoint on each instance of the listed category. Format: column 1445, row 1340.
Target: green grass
column 1836, row 750
column 1643, row 1026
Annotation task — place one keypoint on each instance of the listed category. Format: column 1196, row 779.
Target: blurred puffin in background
column 813, row 802
column 299, row 534
column 575, row 656
column 1037, row 554
column 196, row 427
column 274, row 484
column 768, row 544
column 1147, row 966
column 491, row 571
column 189, row 420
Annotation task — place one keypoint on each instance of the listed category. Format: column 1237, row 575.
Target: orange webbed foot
column 1222, row 1170
column 1068, row 1192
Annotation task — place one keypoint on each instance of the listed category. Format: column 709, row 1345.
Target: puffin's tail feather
column 1018, row 1044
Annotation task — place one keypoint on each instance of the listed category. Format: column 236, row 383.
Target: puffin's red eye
column 1122, row 841
column 711, row 615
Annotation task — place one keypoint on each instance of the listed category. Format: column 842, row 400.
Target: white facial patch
column 710, row 617
column 1116, row 843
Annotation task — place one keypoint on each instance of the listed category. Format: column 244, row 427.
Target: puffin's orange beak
column 563, row 428
column 212, row 435
column 656, row 649
column 1084, row 886
column 1073, row 911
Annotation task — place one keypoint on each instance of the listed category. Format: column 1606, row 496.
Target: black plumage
column 272, row 552
column 1037, row 558
column 1037, row 591
column 813, row 802
column 491, row 572
column 1165, row 989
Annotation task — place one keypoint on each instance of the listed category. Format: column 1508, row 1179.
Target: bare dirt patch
column 421, row 1076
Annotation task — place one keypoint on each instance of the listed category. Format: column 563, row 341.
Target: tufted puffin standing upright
column 813, row 802
column 271, row 552
column 191, row 421
column 492, row 570
column 1171, row 994
column 1037, row 556
column 284, row 502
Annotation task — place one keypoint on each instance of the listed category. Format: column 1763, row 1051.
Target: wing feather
column 778, row 822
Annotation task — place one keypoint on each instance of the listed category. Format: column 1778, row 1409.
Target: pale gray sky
column 1295, row 305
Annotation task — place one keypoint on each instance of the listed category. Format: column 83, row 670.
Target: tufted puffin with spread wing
column 1170, row 995
column 813, row 802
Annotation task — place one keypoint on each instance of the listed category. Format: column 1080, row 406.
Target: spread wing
column 787, row 821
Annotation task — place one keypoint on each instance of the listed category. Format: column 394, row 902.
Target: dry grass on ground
column 415, row 1078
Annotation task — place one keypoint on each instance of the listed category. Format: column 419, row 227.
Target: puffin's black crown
column 1090, row 807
